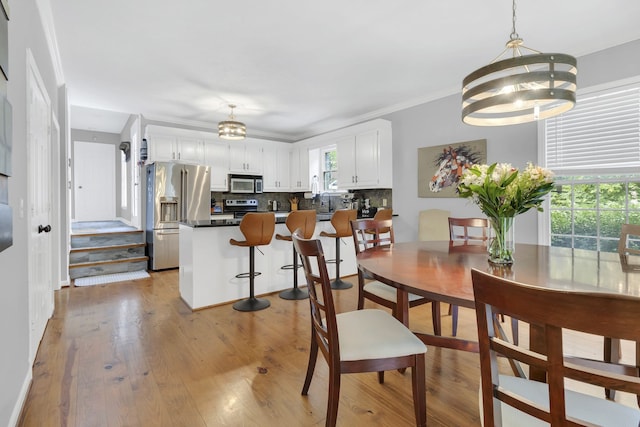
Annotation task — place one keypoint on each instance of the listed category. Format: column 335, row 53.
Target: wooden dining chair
column 472, row 229
column 510, row 401
column 356, row 341
column 624, row 246
column 369, row 233
column 432, row 225
column 469, row 229
column 612, row 351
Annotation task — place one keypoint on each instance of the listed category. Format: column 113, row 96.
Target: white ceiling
column 298, row 68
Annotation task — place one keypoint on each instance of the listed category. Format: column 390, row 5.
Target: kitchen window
column 329, row 168
column 594, row 150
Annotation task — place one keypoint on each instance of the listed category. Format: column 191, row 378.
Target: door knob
column 42, row 228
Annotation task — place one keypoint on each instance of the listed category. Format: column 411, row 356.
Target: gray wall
column 439, row 122
column 25, row 32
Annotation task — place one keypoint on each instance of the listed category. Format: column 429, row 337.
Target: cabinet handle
column 178, row 156
column 356, row 179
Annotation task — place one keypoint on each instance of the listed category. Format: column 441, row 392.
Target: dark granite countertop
column 236, row 221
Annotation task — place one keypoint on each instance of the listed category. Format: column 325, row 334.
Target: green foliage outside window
column 589, row 215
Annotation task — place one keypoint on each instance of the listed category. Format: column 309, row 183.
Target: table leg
column 537, row 344
column 402, row 309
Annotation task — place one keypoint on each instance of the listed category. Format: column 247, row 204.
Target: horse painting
column 450, row 164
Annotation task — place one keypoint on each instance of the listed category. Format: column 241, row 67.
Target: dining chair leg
column 435, row 317
column 381, row 377
column 334, row 397
column 419, row 390
column 514, row 331
column 612, row 355
column 313, row 357
column 454, row 319
column 361, row 292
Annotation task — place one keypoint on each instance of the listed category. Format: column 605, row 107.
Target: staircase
column 105, row 247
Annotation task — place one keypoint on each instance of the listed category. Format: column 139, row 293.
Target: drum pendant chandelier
column 520, row 88
column 231, row 129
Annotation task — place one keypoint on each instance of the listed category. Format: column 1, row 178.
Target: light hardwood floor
column 133, row 354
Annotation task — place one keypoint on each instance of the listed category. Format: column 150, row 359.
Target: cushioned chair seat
column 596, row 410
column 385, row 291
column 361, row 332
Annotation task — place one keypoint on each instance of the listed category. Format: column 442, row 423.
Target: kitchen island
column 209, row 264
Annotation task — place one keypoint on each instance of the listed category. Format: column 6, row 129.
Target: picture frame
column 440, row 166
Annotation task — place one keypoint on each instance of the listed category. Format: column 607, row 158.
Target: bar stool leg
column 295, row 293
column 338, row 283
column 252, row 303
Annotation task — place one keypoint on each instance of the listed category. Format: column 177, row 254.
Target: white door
column 39, row 208
column 94, row 171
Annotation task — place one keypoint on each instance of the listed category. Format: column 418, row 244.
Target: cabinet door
column 346, row 162
column 300, row 169
column 216, row 156
column 161, row 148
column 236, row 157
column 190, row 150
column 253, row 158
column 270, row 170
column 284, row 169
column 276, row 167
column 367, row 159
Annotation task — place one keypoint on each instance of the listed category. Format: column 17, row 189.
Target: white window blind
column 601, row 132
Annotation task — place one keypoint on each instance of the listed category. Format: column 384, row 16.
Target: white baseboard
column 22, row 397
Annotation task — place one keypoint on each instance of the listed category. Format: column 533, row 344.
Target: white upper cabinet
column 300, row 168
column 167, row 144
column 246, row 157
column 359, row 160
column 277, row 161
column 216, row 155
column 364, row 155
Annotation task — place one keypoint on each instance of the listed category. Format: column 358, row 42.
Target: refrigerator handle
column 184, row 202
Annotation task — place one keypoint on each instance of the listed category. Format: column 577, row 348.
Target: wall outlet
column 384, row 203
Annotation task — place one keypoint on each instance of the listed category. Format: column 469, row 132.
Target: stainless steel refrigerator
column 175, row 192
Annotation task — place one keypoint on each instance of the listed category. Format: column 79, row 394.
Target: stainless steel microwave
column 247, row 184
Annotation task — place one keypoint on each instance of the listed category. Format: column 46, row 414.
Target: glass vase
column 502, row 242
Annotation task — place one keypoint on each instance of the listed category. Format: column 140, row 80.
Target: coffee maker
column 348, row 201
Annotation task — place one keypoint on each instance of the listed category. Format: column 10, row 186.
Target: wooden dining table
column 441, row 271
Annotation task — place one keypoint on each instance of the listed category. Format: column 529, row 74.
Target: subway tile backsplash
column 321, row 203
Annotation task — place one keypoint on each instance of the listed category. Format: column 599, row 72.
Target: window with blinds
column 594, row 150
column 601, row 132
